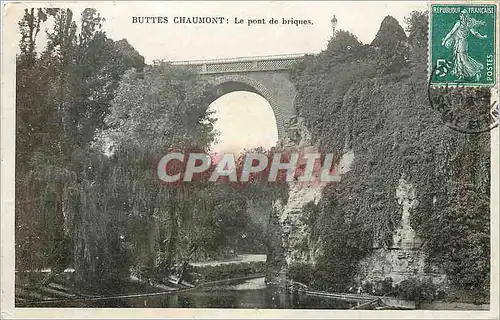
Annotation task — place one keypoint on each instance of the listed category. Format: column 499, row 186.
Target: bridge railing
column 242, row 64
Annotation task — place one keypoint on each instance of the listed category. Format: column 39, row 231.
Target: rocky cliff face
column 408, row 174
column 298, row 245
column 295, row 233
column 403, row 258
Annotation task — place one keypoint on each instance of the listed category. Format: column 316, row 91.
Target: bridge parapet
column 244, row 64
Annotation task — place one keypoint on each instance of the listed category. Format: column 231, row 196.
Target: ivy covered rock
column 372, row 101
column 389, row 35
column 392, row 46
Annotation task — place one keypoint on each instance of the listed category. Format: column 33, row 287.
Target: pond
column 248, row 294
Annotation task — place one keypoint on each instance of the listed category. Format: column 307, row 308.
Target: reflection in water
column 249, row 294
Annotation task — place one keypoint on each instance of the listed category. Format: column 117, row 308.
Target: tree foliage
column 93, row 122
column 63, row 93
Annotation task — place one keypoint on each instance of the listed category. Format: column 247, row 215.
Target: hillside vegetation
column 372, row 99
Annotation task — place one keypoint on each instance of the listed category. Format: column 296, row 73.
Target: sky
column 175, row 42
column 187, row 42
column 245, row 120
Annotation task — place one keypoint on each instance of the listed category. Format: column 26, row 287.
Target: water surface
column 248, row 294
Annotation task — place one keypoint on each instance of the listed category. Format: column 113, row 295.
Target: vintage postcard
column 250, row 159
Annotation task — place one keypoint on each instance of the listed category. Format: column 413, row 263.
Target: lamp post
column 333, row 22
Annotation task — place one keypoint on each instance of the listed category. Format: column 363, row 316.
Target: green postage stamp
column 462, row 44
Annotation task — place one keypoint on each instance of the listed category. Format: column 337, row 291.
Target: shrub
column 301, row 272
column 416, row 290
column 226, row 271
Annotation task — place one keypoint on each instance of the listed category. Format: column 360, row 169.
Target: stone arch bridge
column 268, row 76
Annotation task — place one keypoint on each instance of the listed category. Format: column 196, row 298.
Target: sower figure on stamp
column 456, row 40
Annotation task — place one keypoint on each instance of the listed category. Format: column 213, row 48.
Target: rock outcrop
column 403, row 258
column 298, row 245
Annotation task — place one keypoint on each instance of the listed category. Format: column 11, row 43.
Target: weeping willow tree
column 40, row 218
column 154, row 111
column 63, row 217
column 102, row 212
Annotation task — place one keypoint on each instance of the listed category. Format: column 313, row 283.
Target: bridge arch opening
column 249, row 116
column 229, row 83
column 245, row 120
